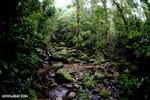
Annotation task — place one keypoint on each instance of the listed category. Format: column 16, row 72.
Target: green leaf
column 4, row 64
column 0, row 72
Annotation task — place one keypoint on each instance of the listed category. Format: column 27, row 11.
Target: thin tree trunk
column 122, row 15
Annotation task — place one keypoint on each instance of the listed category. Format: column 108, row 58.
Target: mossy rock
column 57, row 65
column 108, row 75
column 63, row 76
column 57, row 55
column 53, row 85
column 106, row 82
column 95, row 91
column 98, row 75
column 84, row 57
column 114, row 64
column 70, row 60
column 90, row 85
column 100, row 68
column 41, row 72
column 97, row 63
column 103, row 61
column 105, row 93
column 64, row 52
column 91, row 60
column 37, row 86
column 77, row 61
column 62, row 43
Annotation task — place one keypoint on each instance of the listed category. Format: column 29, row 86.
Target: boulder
column 63, row 76
column 57, row 65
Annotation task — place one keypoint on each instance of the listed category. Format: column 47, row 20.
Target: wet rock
column 71, row 95
column 70, row 60
column 92, row 60
column 57, row 65
column 69, row 85
column 63, row 76
column 76, row 85
column 77, row 61
column 96, row 97
column 105, row 93
column 51, row 74
column 55, row 95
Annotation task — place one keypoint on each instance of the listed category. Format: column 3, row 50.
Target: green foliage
column 22, row 45
column 140, row 41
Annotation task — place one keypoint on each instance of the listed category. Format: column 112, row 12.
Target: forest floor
column 69, row 77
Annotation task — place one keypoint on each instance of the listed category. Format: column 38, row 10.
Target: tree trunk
column 122, row 15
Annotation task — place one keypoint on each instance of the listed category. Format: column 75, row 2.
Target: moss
column 64, row 52
column 95, row 91
column 90, row 85
column 97, row 63
column 99, row 75
column 62, row 43
column 106, row 82
column 70, row 60
column 58, row 56
column 103, row 61
column 37, row 86
column 114, row 64
column 84, row 57
column 53, row 85
column 100, row 67
column 105, row 93
column 63, row 75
